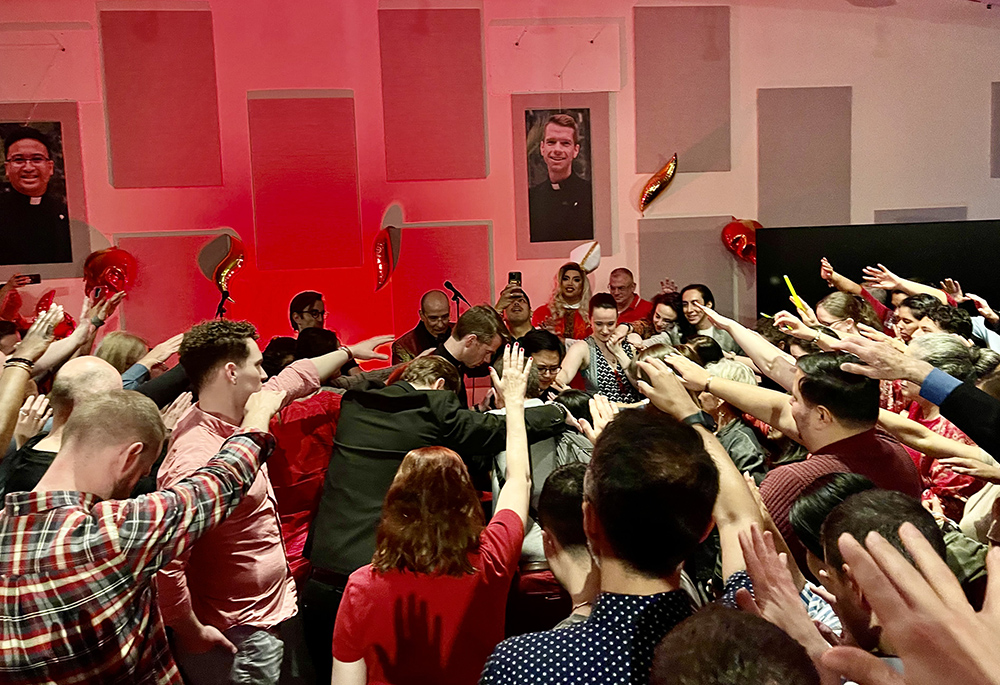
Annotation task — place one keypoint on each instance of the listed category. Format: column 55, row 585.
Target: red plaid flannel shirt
column 76, row 573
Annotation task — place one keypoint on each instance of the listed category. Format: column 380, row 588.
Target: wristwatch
column 703, row 418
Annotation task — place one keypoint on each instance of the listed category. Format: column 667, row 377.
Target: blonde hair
column 557, row 305
column 732, row 370
column 121, row 349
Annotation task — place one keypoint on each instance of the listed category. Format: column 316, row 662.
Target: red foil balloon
column 658, row 183
column 740, row 237
column 107, row 272
column 64, row 327
column 386, row 253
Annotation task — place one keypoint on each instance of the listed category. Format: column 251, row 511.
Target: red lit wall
column 307, row 189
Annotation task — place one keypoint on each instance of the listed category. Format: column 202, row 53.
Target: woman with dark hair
column 604, row 366
column 665, row 319
column 430, row 607
column 694, row 299
column 562, row 314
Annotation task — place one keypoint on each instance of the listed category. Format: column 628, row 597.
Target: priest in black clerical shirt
column 562, row 206
column 34, row 224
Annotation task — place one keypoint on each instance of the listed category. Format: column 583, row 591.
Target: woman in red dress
column 565, row 314
column 430, row 607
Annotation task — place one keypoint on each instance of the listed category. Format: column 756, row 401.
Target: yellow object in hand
column 799, row 304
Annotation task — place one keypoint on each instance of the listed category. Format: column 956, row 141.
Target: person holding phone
column 515, row 307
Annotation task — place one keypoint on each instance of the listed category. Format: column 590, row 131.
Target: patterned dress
column 612, row 382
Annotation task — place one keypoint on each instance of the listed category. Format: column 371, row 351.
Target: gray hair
column 732, row 370
column 947, row 352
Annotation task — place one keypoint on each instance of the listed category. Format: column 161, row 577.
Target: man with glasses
column 631, row 307
column 432, row 330
column 34, row 224
column 546, row 351
column 306, row 310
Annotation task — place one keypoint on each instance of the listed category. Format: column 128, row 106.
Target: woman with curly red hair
column 430, row 607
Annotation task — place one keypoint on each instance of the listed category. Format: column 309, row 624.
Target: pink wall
column 334, row 44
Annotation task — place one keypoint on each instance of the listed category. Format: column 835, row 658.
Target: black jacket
column 375, row 430
column 976, row 413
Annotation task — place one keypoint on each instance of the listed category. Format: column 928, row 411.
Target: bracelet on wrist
column 819, row 334
column 17, row 365
column 349, row 351
column 20, row 359
column 97, row 321
column 708, row 382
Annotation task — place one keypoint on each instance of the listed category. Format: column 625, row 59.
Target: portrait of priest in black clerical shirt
column 34, row 219
column 561, row 207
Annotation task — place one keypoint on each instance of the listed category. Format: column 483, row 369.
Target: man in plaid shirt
column 77, row 563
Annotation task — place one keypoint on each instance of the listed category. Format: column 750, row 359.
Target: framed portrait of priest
column 43, row 226
column 562, row 172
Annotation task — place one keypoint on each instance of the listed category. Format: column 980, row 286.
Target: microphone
column 455, row 295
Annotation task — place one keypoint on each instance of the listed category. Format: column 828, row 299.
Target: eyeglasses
column 315, row 313
column 18, row 160
column 548, row 370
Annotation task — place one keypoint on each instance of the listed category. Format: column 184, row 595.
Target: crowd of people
column 650, row 492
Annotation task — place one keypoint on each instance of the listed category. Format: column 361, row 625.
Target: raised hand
column 793, row 325
column 260, row 407
column 983, row 307
column 602, row 412
column 665, row 390
column 881, row 361
column 953, row 288
column 667, row 286
column 880, row 277
column 775, row 596
column 31, row 418
column 515, row 375
column 924, row 614
column 718, row 320
column 691, row 375
column 506, row 295
column 40, row 335
column 878, row 336
column 826, row 271
column 366, row 348
column 162, row 352
column 173, row 412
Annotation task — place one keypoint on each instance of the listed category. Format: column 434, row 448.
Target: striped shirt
column 76, row 573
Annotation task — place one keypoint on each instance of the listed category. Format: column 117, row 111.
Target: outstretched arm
column 837, row 280
column 735, row 510
column 769, row 360
column 577, row 358
column 769, row 406
column 880, row 277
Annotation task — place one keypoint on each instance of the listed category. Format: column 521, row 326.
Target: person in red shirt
column 430, row 607
column 565, row 314
column 631, row 307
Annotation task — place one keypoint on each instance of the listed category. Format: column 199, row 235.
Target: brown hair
column 431, row 517
column 211, row 344
column 117, row 417
column 426, row 370
column 481, row 321
column 847, row 306
column 121, row 349
column 566, row 121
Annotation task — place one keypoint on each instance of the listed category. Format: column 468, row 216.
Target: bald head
column 79, row 379
column 435, row 312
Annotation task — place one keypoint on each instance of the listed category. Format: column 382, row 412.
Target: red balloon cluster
column 107, row 272
column 740, row 237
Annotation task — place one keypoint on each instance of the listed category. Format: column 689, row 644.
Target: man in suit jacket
column 375, row 431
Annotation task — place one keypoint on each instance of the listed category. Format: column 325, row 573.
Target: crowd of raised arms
column 650, row 492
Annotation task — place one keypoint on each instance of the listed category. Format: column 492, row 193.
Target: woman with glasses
column 604, row 366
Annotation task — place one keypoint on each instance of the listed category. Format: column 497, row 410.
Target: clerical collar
column 35, row 200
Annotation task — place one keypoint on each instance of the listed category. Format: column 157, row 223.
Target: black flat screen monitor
column 968, row 251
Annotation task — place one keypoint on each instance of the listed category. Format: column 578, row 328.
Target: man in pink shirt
column 227, row 596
